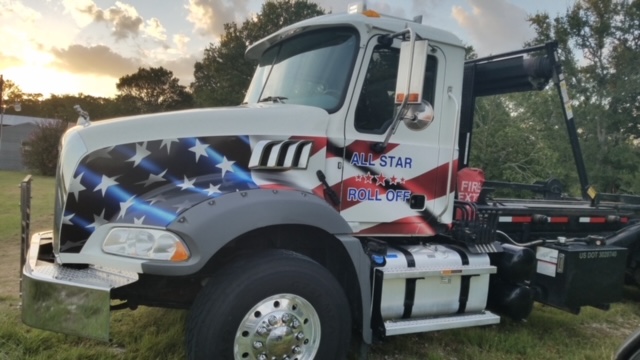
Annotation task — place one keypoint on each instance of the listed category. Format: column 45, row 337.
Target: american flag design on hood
column 151, row 183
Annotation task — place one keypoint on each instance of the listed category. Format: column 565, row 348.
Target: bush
column 41, row 150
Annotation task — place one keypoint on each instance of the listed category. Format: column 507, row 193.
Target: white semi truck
column 336, row 200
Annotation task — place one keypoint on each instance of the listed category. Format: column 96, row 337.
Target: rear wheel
column 275, row 305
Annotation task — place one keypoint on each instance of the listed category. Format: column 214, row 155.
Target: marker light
column 371, row 13
column 146, row 244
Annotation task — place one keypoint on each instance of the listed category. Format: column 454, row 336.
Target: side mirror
column 411, row 70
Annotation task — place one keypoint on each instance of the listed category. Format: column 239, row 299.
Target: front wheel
column 275, row 305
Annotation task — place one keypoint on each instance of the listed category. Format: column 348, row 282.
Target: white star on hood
column 97, row 221
column 141, row 153
column 226, row 165
column 199, row 149
column 187, row 184
column 213, row 190
column 105, row 183
column 183, row 206
column 75, row 187
column 153, row 179
column 66, row 220
column 167, row 143
column 124, row 206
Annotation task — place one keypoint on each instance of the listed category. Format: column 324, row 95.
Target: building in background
column 16, row 131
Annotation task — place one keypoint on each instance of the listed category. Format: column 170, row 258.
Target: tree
column 223, row 75
column 152, row 90
column 41, row 153
column 605, row 84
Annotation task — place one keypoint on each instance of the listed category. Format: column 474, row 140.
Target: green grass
column 158, row 333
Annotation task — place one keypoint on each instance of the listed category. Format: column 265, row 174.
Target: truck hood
column 260, row 119
column 147, row 170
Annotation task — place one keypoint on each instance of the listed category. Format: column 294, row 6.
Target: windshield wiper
column 275, row 99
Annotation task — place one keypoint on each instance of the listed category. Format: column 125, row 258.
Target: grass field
column 157, row 333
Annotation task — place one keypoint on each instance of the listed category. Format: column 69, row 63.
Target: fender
column 210, row 225
column 627, row 237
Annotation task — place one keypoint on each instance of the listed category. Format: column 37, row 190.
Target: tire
column 269, row 306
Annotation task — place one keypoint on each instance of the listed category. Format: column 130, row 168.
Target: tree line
column 220, row 78
column 517, row 137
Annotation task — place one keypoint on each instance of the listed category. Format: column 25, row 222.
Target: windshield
column 310, row 69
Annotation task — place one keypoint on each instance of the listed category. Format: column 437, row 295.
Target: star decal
column 155, row 199
column 141, row 153
column 402, row 180
column 187, row 184
column 226, row 165
column 98, row 154
column 124, row 206
column 137, row 221
column 66, row 220
column 393, row 180
column 359, row 177
column 167, row 143
column 97, row 221
column 106, row 183
column 213, row 189
column 153, row 179
column 380, row 179
column 368, row 178
column 76, row 186
column 199, row 149
column 183, row 206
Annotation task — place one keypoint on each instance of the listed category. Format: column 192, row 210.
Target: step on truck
column 337, row 199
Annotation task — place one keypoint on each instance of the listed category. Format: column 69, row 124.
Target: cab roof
column 361, row 22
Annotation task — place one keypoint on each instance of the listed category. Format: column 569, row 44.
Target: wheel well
column 312, row 242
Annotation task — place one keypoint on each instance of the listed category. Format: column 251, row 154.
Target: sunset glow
column 84, row 46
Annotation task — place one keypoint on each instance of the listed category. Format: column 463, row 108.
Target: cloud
column 122, row 19
column 94, row 60
column 424, row 7
column 9, row 61
column 154, row 29
column 494, row 26
column 81, row 11
column 18, row 11
column 181, row 42
column 209, row 16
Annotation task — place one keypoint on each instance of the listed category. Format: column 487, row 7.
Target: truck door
column 399, row 190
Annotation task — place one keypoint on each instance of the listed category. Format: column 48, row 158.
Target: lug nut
column 262, row 356
column 257, row 344
column 297, row 349
column 286, row 317
column 295, row 324
column 300, row 336
column 262, row 331
column 273, row 320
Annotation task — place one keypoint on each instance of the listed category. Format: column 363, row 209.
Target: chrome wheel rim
column 280, row 327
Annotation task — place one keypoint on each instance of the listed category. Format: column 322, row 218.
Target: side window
column 376, row 106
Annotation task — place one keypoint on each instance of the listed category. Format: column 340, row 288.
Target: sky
column 84, row 46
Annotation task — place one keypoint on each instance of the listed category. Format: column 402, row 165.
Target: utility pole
column 1, row 88
column 4, row 107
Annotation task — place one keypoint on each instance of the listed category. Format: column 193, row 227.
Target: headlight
column 145, row 244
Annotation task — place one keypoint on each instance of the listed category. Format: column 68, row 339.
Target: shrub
column 41, row 150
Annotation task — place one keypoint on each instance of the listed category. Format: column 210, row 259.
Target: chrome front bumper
column 66, row 300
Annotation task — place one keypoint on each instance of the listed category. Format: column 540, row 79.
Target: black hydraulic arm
column 561, row 85
column 510, row 73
